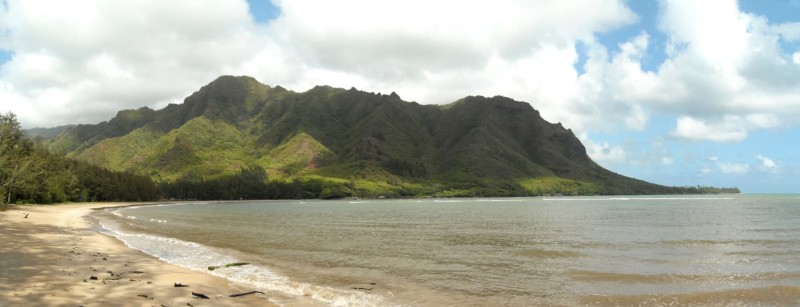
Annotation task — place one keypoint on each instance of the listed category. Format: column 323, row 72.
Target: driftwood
column 200, row 295
column 26, row 215
column 214, row 267
column 365, row 288
column 245, row 293
column 180, row 285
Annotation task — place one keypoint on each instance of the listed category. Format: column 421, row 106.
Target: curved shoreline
column 49, row 258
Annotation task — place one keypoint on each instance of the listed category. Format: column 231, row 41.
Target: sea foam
column 198, row 257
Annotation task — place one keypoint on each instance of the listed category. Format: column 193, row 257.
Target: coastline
column 50, row 257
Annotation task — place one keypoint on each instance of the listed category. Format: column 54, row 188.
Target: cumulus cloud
column 726, row 167
column 725, row 61
column 604, row 153
column 81, row 61
column 767, row 163
column 733, row 168
column 724, row 76
column 730, row 128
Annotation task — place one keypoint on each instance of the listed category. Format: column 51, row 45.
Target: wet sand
column 53, row 258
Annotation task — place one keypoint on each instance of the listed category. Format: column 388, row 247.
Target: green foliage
column 252, row 183
column 558, row 186
column 31, row 175
column 330, row 142
column 295, row 156
column 15, row 157
column 43, row 134
column 706, row 190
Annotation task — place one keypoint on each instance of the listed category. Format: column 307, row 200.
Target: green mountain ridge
column 363, row 144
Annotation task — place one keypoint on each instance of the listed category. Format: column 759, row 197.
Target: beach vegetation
column 30, row 174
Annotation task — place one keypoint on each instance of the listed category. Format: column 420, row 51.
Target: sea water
column 707, row 250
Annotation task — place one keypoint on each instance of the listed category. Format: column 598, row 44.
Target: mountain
column 45, row 133
column 363, row 143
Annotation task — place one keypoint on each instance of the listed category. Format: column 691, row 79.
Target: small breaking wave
column 198, row 257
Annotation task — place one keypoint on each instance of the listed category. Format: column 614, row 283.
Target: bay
column 708, row 250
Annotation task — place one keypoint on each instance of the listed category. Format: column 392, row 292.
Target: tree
column 15, row 156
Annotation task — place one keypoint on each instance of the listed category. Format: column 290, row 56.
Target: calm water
column 739, row 250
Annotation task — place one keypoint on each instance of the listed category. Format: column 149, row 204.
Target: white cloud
column 90, row 58
column 730, row 128
column 733, row 168
column 604, row 153
column 789, row 31
column 694, row 129
column 725, row 167
column 81, row 61
column 725, row 74
column 767, row 163
column 667, row 160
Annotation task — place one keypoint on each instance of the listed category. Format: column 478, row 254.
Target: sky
column 676, row 92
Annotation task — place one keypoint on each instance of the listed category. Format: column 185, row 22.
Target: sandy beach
column 53, row 258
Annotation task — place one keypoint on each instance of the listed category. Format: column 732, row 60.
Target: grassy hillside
column 349, row 142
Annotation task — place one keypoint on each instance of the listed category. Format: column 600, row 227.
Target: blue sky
column 676, row 92
column 690, row 156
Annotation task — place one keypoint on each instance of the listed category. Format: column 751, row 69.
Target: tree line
column 29, row 174
column 250, row 183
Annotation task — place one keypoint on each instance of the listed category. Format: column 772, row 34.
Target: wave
column 198, row 257
column 634, row 198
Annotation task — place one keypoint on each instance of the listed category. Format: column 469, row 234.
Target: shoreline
column 50, row 257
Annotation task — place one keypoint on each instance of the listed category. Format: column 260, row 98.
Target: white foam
column 636, row 198
column 198, row 257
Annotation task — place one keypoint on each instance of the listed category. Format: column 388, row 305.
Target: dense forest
column 29, row 174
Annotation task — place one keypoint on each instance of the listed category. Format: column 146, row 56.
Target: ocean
column 554, row 251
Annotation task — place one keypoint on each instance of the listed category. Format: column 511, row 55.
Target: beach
column 50, row 256
column 602, row 251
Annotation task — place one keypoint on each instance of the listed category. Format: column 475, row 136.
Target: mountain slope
column 474, row 146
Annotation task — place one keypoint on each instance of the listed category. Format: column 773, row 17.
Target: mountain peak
column 345, row 136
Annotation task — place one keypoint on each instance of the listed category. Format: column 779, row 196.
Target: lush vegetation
column 706, row 190
column 329, row 142
column 31, row 175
